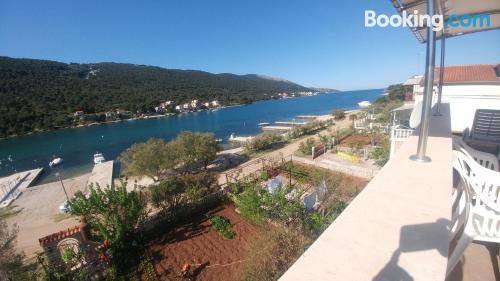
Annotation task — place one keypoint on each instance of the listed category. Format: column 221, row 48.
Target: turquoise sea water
column 78, row 145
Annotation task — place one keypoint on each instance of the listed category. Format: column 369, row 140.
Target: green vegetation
column 112, row 214
column 263, row 142
column 308, row 129
column 223, row 226
column 381, row 153
column 43, row 95
column 305, row 147
column 273, row 251
column 157, row 158
column 338, row 114
column 11, row 262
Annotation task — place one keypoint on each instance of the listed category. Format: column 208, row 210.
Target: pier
column 12, row 186
column 102, row 175
column 290, row 123
column 277, row 128
column 307, row 116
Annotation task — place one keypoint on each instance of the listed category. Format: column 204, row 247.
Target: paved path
column 255, row 164
column 102, row 174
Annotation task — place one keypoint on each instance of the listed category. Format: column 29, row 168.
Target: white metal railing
column 360, row 123
column 401, row 134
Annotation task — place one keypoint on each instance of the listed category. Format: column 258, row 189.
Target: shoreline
column 148, row 117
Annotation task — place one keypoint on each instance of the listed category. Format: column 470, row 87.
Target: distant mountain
column 324, row 90
column 40, row 94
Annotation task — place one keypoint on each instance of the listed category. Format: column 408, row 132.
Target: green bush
column 305, row 147
column 249, row 205
column 381, row 153
column 223, row 226
column 338, row 114
column 264, row 142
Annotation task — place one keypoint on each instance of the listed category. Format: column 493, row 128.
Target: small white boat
column 98, row 158
column 264, row 124
column 218, row 140
column 364, row 104
column 56, row 161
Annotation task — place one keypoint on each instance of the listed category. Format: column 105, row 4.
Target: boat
column 218, row 140
column 56, row 161
column 364, row 104
column 98, row 158
column 264, row 124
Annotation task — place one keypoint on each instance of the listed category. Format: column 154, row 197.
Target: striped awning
column 454, row 10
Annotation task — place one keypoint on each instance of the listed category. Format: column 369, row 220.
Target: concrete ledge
column 396, row 228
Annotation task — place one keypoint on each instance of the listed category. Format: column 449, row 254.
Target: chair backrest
column 486, row 125
column 482, row 191
column 484, row 159
column 481, row 182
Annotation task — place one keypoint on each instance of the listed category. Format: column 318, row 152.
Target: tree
column 338, row 114
column 112, row 213
column 195, row 148
column 11, row 262
column 152, row 158
column 168, row 194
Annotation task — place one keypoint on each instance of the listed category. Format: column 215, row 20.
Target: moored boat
column 98, row 158
column 56, row 161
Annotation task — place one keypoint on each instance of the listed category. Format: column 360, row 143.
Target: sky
column 316, row 43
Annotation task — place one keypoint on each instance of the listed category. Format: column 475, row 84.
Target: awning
column 454, row 9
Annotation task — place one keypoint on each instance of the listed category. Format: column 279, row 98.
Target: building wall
column 465, row 100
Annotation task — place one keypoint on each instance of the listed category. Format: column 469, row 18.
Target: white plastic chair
column 484, row 159
column 477, row 206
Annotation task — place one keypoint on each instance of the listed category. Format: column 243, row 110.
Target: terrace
column 400, row 226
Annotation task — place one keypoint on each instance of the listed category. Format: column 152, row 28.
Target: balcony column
column 441, row 76
column 429, row 83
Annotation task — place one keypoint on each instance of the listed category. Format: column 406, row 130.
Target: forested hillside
column 40, row 95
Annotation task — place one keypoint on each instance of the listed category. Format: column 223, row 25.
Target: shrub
column 249, row 205
column 306, row 146
column 381, row 153
column 223, row 226
column 338, row 114
column 264, row 142
column 273, row 252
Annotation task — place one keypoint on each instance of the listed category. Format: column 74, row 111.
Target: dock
column 277, row 128
column 307, row 116
column 12, row 186
column 102, row 175
column 291, row 123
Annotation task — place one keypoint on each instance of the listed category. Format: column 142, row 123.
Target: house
column 466, row 88
column 215, row 103
column 178, row 108
column 206, row 104
column 417, row 82
column 78, row 113
column 194, row 104
column 185, row 106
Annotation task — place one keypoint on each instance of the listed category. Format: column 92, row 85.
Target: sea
column 78, row 145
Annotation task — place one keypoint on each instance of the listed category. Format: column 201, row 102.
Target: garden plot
column 211, row 256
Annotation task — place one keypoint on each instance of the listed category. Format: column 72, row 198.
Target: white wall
column 465, row 100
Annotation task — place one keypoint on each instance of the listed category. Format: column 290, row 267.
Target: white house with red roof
column 466, row 88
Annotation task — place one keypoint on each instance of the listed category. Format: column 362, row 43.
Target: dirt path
column 39, row 206
column 252, row 165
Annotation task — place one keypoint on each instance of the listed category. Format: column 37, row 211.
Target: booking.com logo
column 421, row 20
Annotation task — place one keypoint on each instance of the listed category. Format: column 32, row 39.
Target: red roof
column 59, row 235
column 470, row 73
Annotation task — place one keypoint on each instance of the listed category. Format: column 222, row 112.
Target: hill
column 41, row 95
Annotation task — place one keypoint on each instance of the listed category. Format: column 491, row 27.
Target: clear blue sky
column 315, row 43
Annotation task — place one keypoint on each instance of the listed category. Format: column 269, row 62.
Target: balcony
column 397, row 227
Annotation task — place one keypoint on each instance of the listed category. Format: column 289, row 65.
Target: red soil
column 212, row 258
column 364, row 139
